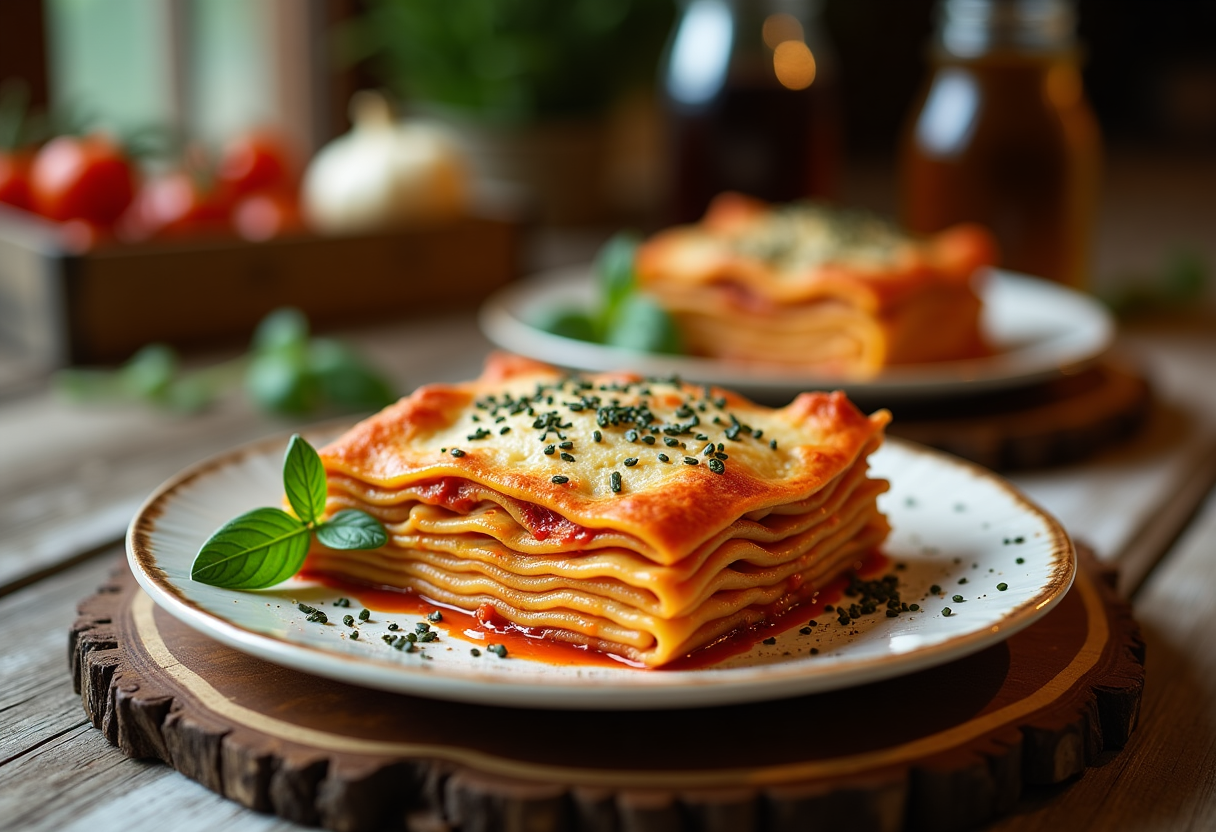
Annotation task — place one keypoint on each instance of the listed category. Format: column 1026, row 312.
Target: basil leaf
column 614, row 269
column 643, row 325
column 258, row 549
column 568, row 323
column 280, row 383
column 345, row 379
column 284, row 329
column 352, row 529
column 304, row 480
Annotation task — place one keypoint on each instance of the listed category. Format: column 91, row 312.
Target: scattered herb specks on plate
column 266, row 546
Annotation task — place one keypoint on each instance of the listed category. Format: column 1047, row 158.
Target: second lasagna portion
column 808, row 286
column 643, row 518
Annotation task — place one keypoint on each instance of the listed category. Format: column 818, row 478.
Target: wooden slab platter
column 942, row 749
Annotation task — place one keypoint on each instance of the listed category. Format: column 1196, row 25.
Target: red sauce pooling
column 486, row 626
column 784, row 617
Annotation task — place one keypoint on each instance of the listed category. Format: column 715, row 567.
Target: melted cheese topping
column 506, row 432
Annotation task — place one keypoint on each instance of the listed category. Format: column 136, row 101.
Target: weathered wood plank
column 56, row 770
column 1166, row 776
column 1129, row 503
column 71, row 477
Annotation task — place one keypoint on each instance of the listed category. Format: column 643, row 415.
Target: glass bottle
column 749, row 93
column 1002, row 134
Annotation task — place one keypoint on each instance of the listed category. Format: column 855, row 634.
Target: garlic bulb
column 383, row 174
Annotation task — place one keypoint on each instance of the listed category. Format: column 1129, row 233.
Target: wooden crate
column 59, row 307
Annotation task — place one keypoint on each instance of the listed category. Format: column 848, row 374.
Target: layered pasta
column 639, row 517
column 802, row 285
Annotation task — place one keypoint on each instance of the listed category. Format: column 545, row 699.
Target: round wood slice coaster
column 945, row 748
column 1060, row 421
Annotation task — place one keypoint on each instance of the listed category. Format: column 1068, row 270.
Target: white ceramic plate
column 955, row 525
column 1039, row 329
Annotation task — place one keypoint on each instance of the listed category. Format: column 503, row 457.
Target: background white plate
column 955, row 525
column 1038, row 328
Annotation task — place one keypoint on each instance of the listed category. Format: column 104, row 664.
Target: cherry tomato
column 256, row 161
column 267, row 214
column 15, row 178
column 174, row 205
column 87, row 178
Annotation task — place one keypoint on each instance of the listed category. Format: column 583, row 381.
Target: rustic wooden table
column 70, row 479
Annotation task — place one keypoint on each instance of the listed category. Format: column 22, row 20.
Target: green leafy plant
column 624, row 316
column 286, row 371
column 266, row 546
column 512, row 61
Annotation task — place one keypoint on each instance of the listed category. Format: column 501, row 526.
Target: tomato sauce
column 486, row 626
column 460, row 495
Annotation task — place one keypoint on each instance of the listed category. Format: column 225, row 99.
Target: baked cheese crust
column 671, row 507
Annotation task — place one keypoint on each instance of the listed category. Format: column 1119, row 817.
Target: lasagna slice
column 803, row 285
column 640, row 517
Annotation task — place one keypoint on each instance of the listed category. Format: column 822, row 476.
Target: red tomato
column 267, row 214
column 85, row 178
column 15, row 179
column 171, row 205
column 254, row 162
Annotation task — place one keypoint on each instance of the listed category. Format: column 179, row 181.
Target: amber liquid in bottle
column 1007, row 139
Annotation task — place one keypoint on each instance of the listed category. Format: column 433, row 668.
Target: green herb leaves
column 352, row 529
column 286, row 371
column 304, row 480
column 624, row 316
column 258, row 549
column 266, row 546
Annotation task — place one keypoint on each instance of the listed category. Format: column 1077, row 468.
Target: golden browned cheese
column 641, row 517
column 802, row 285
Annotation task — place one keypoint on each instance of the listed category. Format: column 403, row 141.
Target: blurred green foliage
column 623, row 317
column 512, row 61
column 286, row 372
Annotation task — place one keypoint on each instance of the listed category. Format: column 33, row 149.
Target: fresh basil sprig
column 266, row 546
